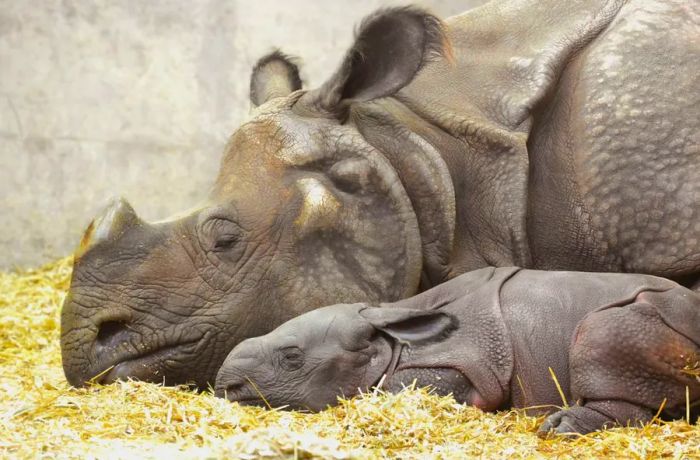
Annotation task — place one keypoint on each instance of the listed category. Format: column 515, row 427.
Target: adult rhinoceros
column 543, row 134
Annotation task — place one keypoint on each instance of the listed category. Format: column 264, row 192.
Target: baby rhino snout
column 238, row 388
column 235, row 379
column 228, row 385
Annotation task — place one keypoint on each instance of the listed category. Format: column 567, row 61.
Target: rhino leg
column 628, row 361
column 443, row 381
column 595, row 415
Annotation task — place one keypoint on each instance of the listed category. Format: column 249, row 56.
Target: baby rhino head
column 309, row 361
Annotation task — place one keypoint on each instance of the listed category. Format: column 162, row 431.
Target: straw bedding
column 41, row 416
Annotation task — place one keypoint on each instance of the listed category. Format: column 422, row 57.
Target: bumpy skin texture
column 626, row 361
column 538, row 133
column 619, row 345
column 581, row 140
column 601, row 124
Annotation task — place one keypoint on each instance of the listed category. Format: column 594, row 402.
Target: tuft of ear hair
column 391, row 46
column 274, row 75
column 428, row 30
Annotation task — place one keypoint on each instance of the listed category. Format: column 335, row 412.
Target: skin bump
column 319, row 206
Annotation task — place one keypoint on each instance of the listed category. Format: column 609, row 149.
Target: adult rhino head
column 305, row 212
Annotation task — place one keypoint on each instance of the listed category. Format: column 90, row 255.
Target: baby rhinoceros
column 619, row 345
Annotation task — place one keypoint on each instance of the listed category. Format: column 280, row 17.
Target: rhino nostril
column 108, row 330
column 231, row 391
column 233, row 387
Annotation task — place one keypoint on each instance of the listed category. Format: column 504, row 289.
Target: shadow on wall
column 137, row 98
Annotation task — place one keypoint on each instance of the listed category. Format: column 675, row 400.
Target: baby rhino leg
column 625, row 362
column 594, row 415
column 442, row 380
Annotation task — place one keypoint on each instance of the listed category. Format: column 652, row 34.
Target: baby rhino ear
column 274, row 75
column 408, row 325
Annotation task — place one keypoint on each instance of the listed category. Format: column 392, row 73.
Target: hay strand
column 42, row 417
column 565, row 404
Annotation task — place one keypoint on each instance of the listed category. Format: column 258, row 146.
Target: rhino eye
column 220, row 234
column 225, row 242
column 291, row 358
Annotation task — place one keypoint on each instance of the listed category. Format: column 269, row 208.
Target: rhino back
column 615, row 151
column 579, row 129
column 541, row 310
column 506, row 58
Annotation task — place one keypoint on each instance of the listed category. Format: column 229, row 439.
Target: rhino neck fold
column 489, row 167
column 425, row 177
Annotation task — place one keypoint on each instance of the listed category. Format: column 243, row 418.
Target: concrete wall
column 136, row 98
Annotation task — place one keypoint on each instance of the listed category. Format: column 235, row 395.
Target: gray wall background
column 137, row 98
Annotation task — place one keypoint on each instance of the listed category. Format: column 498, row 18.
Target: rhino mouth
column 150, row 364
column 243, row 394
column 250, row 401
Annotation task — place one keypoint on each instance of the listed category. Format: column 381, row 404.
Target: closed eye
column 225, row 242
column 219, row 234
column 291, row 358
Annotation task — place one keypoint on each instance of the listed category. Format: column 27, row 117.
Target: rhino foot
column 572, row 421
column 593, row 416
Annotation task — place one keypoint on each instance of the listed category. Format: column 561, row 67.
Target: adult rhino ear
column 408, row 325
column 390, row 47
column 274, row 75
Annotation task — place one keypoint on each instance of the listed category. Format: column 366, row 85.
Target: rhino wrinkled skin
column 541, row 134
column 620, row 345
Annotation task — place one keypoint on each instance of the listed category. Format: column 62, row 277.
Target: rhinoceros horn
column 117, row 217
